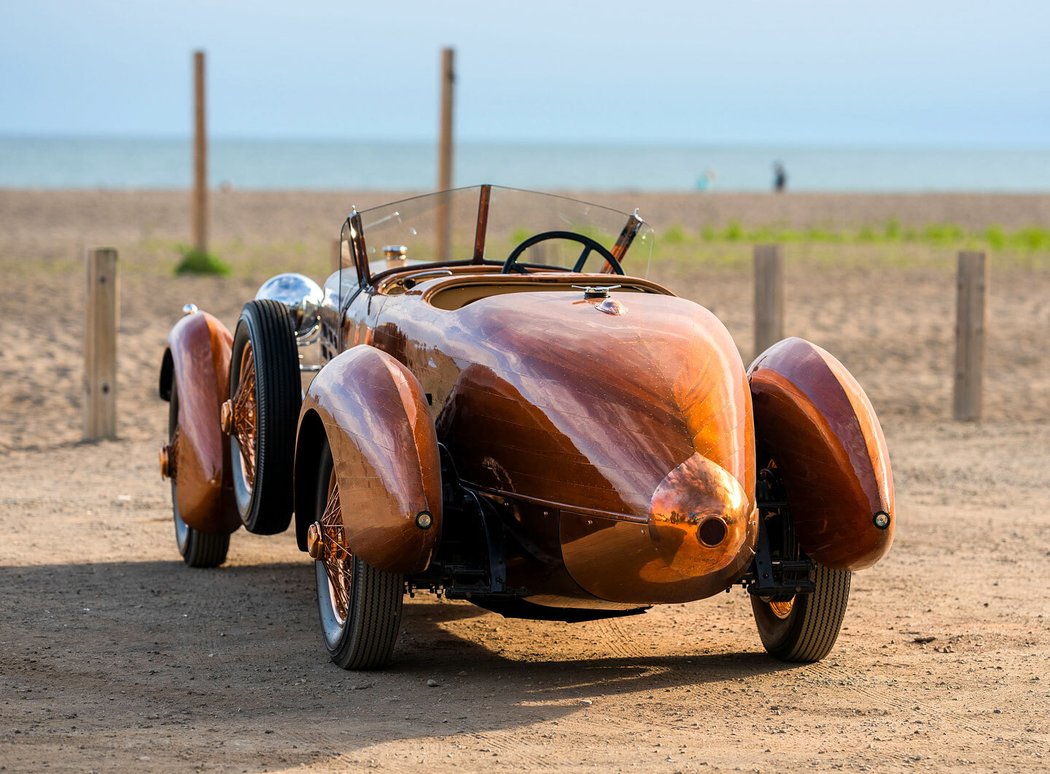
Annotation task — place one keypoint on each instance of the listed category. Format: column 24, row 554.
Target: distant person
column 780, row 177
column 706, row 180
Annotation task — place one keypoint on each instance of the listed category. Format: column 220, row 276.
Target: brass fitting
column 166, row 467
column 226, row 417
column 314, row 541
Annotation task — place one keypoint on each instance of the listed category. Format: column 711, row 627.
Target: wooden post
column 200, row 158
column 100, row 345
column 444, row 224
column 971, row 321
column 769, row 296
column 448, row 77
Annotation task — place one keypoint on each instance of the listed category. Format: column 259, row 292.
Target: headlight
column 300, row 294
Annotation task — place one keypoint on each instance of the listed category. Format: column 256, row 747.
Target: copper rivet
column 881, row 519
column 226, row 417
column 424, row 519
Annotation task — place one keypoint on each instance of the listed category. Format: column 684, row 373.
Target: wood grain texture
column 200, row 348
column 100, row 345
column 385, row 456
column 200, row 156
column 541, row 398
column 815, row 422
column 970, row 326
column 769, row 296
column 445, row 151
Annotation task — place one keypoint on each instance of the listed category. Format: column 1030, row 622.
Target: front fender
column 814, row 420
column 385, row 456
column 198, row 360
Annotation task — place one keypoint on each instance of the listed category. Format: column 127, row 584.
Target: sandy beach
column 113, row 655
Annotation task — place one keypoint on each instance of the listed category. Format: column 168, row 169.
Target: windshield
column 484, row 224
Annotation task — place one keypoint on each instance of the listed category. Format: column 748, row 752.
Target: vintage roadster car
column 502, row 415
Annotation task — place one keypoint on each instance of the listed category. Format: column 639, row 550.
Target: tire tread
column 812, row 628
column 278, row 400
column 204, row 550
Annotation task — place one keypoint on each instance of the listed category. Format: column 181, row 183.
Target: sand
column 113, row 655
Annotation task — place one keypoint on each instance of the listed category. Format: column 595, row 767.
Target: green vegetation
column 675, row 235
column 519, row 235
column 196, row 261
column 1030, row 239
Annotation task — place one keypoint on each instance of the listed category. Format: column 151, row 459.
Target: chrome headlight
column 300, row 294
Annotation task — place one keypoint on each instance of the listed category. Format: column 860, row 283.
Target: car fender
column 385, row 456
column 198, row 356
column 814, row 420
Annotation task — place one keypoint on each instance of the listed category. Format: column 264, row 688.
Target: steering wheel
column 589, row 244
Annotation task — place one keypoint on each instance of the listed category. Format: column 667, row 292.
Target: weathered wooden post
column 971, row 315
column 769, row 296
column 200, row 158
column 100, row 345
column 444, row 225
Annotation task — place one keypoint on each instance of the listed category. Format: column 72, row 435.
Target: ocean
column 132, row 163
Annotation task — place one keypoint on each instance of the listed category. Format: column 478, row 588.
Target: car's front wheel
column 265, row 396
column 359, row 606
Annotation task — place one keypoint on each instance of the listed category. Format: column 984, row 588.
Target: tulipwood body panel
column 385, row 456
column 814, row 420
column 199, row 351
column 608, row 438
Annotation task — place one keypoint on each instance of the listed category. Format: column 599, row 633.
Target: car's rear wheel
column 265, row 397
column 359, row 606
column 805, row 627
column 198, row 549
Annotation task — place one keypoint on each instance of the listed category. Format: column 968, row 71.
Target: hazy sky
column 733, row 72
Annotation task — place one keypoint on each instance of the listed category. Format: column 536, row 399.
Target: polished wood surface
column 543, row 399
column 814, row 420
column 199, row 346
column 385, row 456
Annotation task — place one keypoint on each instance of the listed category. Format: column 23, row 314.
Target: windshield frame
column 633, row 224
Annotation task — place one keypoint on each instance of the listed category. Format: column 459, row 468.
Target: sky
column 925, row 73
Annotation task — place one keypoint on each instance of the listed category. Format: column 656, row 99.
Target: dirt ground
column 115, row 656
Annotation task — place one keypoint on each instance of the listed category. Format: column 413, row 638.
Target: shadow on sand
column 214, row 657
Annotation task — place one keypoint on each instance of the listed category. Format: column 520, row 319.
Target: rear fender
column 814, row 420
column 385, row 455
column 198, row 358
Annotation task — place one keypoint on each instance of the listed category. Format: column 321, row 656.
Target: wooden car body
column 611, row 438
column 548, row 441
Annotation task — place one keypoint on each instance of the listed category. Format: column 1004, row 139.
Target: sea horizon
column 142, row 162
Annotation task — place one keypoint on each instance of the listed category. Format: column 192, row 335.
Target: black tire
column 263, row 487
column 807, row 631
column 198, row 549
column 365, row 636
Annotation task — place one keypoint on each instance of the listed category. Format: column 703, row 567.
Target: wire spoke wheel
column 359, row 606
column 336, row 558
column 244, row 415
column 264, row 400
